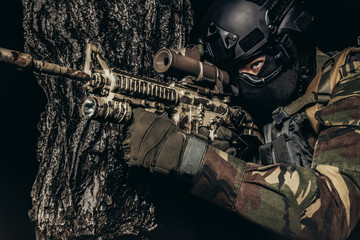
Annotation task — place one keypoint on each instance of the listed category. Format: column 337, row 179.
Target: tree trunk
column 83, row 189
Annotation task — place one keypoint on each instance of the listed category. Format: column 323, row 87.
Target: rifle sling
column 283, row 113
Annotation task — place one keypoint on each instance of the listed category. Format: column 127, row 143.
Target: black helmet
column 238, row 31
column 235, row 30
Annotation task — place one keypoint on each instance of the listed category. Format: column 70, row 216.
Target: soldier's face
column 263, row 84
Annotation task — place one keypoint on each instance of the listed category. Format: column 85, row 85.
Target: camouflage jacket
column 321, row 202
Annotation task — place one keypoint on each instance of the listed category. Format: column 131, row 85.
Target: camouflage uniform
column 321, row 202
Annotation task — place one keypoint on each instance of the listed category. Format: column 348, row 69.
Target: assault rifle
column 195, row 101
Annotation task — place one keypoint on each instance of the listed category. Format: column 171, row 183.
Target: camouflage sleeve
column 322, row 202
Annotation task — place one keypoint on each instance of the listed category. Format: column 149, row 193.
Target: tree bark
column 83, row 188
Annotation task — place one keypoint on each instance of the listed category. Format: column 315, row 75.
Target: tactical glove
column 155, row 142
column 241, row 139
column 225, row 139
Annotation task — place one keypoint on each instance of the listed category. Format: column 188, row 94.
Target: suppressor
column 167, row 59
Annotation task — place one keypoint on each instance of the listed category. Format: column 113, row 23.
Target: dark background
column 22, row 101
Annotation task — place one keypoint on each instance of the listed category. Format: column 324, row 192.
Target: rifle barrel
column 26, row 61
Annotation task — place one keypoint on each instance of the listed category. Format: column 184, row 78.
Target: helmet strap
column 287, row 49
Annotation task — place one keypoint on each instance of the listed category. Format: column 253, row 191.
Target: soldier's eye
column 257, row 65
column 254, row 66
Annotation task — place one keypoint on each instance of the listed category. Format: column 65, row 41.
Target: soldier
column 305, row 181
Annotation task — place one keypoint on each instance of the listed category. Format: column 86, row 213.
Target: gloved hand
column 155, row 142
column 242, row 144
column 225, row 139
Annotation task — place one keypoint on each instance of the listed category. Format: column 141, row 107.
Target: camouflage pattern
column 347, row 113
column 321, row 202
column 344, row 107
column 348, row 87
